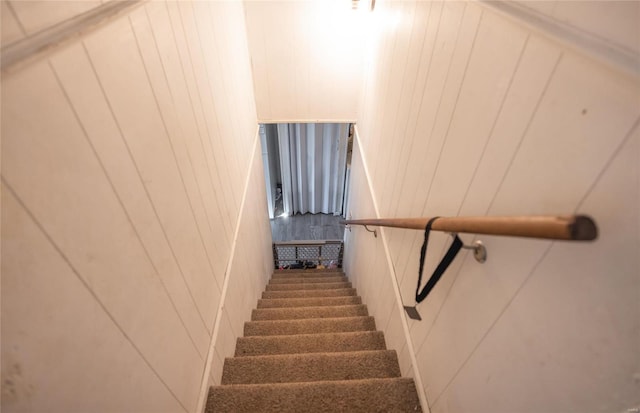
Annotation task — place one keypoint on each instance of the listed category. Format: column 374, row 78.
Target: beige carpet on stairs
column 312, row 347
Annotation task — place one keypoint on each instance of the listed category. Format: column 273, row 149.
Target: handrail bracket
column 375, row 232
column 479, row 250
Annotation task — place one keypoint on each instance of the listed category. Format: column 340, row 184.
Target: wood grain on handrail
column 568, row 227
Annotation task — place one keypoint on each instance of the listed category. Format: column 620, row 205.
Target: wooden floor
column 307, row 227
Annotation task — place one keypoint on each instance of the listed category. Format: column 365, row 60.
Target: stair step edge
column 310, row 343
column 366, row 395
column 307, row 302
column 307, row 367
column 301, row 313
column 288, row 327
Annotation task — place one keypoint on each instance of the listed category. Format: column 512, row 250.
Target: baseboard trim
column 394, row 281
column 204, row 385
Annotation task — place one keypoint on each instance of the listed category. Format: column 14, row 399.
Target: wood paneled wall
column 251, row 268
column 467, row 112
column 306, row 58
column 126, row 157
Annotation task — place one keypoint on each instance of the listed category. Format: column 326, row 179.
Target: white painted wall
column 466, row 112
column 125, row 163
column 306, row 58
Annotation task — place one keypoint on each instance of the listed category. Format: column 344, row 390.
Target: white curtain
column 313, row 160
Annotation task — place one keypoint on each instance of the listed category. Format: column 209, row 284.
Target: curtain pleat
column 313, row 162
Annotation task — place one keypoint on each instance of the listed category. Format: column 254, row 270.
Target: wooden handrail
column 568, row 227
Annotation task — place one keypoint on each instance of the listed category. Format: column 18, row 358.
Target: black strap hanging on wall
column 442, row 267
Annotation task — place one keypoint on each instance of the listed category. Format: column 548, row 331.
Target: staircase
column 312, row 347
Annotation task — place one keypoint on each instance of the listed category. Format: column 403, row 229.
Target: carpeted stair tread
column 308, row 312
column 312, row 286
column 308, row 326
column 307, row 302
column 310, row 343
column 368, row 395
column 308, row 280
column 291, row 368
column 338, row 292
column 312, row 347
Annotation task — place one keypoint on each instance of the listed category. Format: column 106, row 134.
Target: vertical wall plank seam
column 495, row 122
column 396, row 130
column 206, row 250
column 465, row 257
column 308, row 71
column 204, row 115
column 607, row 164
column 433, row 125
column 377, row 75
column 415, row 124
column 124, row 209
column 166, row 76
column 142, row 181
column 415, row 127
column 211, row 138
column 234, row 130
column 291, row 49
column 457, row 42
column 179, row 123
column 396, row 289
column 526, row 130
column 173, row 152
column 504, row 176
column 252, row 79
column 453, row 113
column 223, row 139
column 211, row 177
column 385, row 94
column 488, row 209
column 15, row 16
column 393, row 209
column 216, row 328
column 495, row 321
column 268, row 83
column 87, row 287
